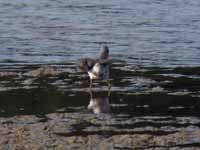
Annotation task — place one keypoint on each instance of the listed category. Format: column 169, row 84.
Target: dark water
column 145, row 32
column 155, row 73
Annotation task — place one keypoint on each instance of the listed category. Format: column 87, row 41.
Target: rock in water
column 5, row 74
column 43, row 71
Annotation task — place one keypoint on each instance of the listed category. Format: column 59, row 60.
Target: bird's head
column 104, row 53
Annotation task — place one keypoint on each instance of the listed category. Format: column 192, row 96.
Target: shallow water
column 143, row 101
column 155, row 72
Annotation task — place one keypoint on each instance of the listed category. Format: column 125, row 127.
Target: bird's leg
column 109, row 87
column 91, row 94
column 90, row 85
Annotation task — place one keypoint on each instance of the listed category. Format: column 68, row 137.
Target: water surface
column 147, row 32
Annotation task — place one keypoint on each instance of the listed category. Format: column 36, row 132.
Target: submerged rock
column 5, row 74
column 43, row 71
column 39, row 72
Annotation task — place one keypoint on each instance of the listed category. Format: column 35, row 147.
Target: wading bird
column 97, row 68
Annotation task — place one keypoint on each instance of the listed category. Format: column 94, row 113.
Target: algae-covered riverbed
column 51, row 108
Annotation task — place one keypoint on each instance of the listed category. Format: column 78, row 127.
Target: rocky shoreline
column 31, row 132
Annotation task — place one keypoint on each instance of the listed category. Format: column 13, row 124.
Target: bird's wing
column 91, row 63
column 105, row 61
column 86, row 64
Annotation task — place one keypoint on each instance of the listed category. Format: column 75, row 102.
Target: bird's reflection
column 99, row 103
